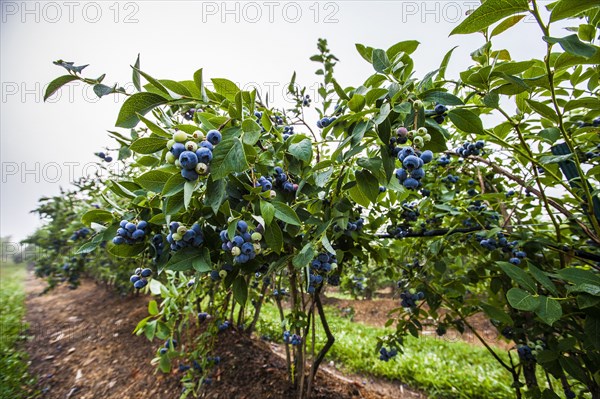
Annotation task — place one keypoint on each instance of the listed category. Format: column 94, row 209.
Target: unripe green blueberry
column 412, row 291
column 334, row 266
column 191, row 146
column 530, row 344
column 427, row 137
column 177, row 163
column 223, row 273
column 418, row 104
column 180, row 136
column 418, row 141
column 235, row 251
column 170, row 144
column 421, row 131
column 273, row 194
column 170, row 158
column 539, row 348
column 198, row 135
column 177, row 236
column 201, row 168
column 534, row 352
column 256, row 236
column 181, row 230
column 257, row 247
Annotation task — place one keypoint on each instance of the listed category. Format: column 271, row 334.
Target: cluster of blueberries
column 182, row 237
column 452, row 179
column 81, row 233
column 224, row 326
column 281, row 181
column 325, row 121
column 169, row 344
column 411, row 172
column 511, row 247
column 245, row 245
column 359, row 283
column 595, row 123
column 159, row 245
column 410, row 298
column 356, row 225
column 280, row 292
column 529, row 351
column 287, row 132
column 306, row 101
column 438, row 114
column 189, row 114
column 468, row 149
column 139, row 278
column 191, row 157
column 105, row 157
column 321, row 265
column 443, row 160
column 202, row 316
column 291, row 339
column 477, row 206
column 386, row 355
column 130, row 233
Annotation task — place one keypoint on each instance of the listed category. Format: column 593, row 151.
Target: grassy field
column 439, row 368
column 14, row 379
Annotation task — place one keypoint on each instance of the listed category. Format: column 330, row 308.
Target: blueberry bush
column 478, row 194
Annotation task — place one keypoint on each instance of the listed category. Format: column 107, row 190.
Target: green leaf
column 506, row 24
column 138, row 103
column 496, row 313
column 96, row 216
column 154, row 128
column 444, row 65
column 267, row 210
column 519, row 276
column 86, row 248
column 251, row 131
column 407, row 46
column 274, row 237
column 380, row 60
column 148, row 145
column 357, row 103
column 173, row 185
column 57, row 84
column 591, row 289
column 286, row 214
column 124, row 250
column 152, row 308
column 302, row 150
column 153, row 180
column 489, row 12
column 550, row 134
column 357, row 196
column 586, row 102
column 579, row 276
column 491, row 100
column 215, row 194
column 543, row 279
column 174, row 203
column 543, row 110
column 365, row 51
column 368, row 184
column 135, row 78
column 202, row 263
column 339, row 90
column 442, row 97
column 549, row 310
column 226, row 88
column 521, row 300
column 240, row 290
column 592, row 330
column 466, row 120
column 187, row 258
column 568, row 8
column 572, row 45
column 188, row 191
column 228, row 157
column 306, row 254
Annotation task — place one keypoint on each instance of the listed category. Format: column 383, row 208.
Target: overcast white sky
column 46, row 145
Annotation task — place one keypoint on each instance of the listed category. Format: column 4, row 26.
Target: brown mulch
column 82, row 347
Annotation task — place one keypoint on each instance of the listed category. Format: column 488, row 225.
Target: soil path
column 81, row 347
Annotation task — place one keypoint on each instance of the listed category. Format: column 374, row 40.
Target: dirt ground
column 81, row 346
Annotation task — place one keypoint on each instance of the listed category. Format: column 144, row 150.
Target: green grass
column 439, row 368
column 14, row 379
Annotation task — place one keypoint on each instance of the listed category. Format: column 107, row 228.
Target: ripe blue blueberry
column 188, row 160
column 130, row 227
column 427, row 156
column 177, row 149
column 204, row 155
column 118, row 240
column 140, row 284
column 189, row 175
column 146, row 272
column 411, row 162
column 401, row 175
column 411, row 183
column 142, row 224
column 214, row 137
column 418, row 174
column 138, row 234
column 134, row 278
column 515, row 261
column 242, row 226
